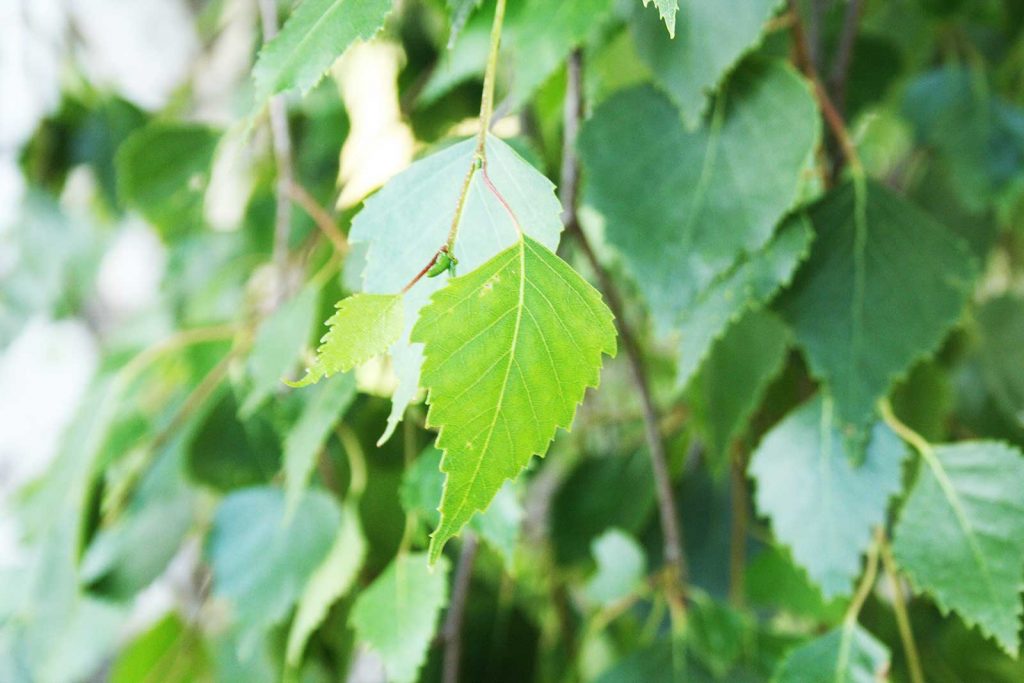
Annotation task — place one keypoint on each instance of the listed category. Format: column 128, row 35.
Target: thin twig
column 867, row 582
column 899, row 605
column 817, row 19
column 675, row 559
column 457, row 609
column 282, row 157
column 738, row 529
column 844, row 53
column 321, row 216
column 828, row 109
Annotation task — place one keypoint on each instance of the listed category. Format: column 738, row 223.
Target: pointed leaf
column 397, row 615
column 960, row 536
column 460, row 11
column 415, row 210
column 331, row 580
column 881, row 289
column 710, row 39
column 667, row 10
column 821, row 504
column 364, row 326
column 845, row 655
column 510, row 349
column 681, row 206
column 324, row 407
column 315, row 35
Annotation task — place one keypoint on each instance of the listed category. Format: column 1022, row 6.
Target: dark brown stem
column 321, row 216
column 815, row 21
column 833, row 118
column 457, row 609
column 282, row 156
column 738, row 532
column 675, row 559
column 430, row 264
column 844, row 53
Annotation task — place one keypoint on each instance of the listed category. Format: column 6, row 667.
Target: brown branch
column 282, row 157
column 457, row 609
column 844, row 53
column 738, row 528
column 674, row 556
column 321, row 216
column 833, row 118
column 430, row 264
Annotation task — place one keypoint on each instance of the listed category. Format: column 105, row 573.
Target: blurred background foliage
column 144, row 531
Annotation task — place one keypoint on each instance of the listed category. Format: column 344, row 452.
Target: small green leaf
column 960, row 536
column 315, row 35
column 1001, row 352
column 279, row 341
column 711, row 39
column 163, row 171
column 667, row 9
column 510, row 349
column 845, row 655
column 460, row 11
column 331, row 580
column 881, row 289
column 169, row 652
column 260, row 562
column 364, row 326
column 397, row 615
column 821, row 504
column 621, row 566
column 306, row 438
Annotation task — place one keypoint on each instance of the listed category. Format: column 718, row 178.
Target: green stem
column 867, row 582
column 902, row 618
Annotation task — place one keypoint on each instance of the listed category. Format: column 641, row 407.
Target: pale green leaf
column 460, row 12
column 163, row 171
column 498, row 525
column 822, row 504
column 731, row 384
column 364, row 326
column 667, row 10
column 331, row 580
column 882, row 287
column 169, row 652
column 960, row 535
column 510, row 349
column 315, row 35
column 709, row 40
column 845, row 655
column 621, row 566
column 748, row 286
column 397, row 615
column 260, row 562
column 681, row 206
column 279, row 341
column 407, row 221
column 324, row 407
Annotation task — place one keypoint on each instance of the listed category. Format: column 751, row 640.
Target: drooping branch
column 282, row 142
column 321, row 216
column 674, row 555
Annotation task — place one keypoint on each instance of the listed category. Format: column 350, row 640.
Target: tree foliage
column 512, row 340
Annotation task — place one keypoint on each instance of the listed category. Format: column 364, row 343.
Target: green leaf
column 331, row 580
column 821, row 504
column 498, row 525
column 510, row 349
column 733, row 381
column 711, row 39
column 667, row 9
column 844, row 655
column 1001, row 352
column 307, row 437
column 260, row 561
column 460, row 11
column 748, row 286
column 163, row 171
column 169, row 652
column 681, row 206
column 414, row 211
column 960, row 536
column 397, row 615
column 315, row 35
column 881, row 289
column 279, row 341
column 364, row 326
column 621, row 566
column 772, row 580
